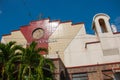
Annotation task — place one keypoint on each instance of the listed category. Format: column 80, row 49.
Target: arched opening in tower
column 103, row 26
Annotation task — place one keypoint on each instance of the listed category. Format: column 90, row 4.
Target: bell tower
column 101, row 24
column 105, row 35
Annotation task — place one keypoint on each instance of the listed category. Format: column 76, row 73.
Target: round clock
column 38, row 33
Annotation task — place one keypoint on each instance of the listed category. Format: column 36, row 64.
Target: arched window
column 80, row 76
column 103, row 26
column 46, row 71
column 62, row 76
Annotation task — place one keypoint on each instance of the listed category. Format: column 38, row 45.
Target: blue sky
column 16, row 13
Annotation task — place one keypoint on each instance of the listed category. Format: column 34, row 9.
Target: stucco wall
column 103, row 47
column 63, row 36
column 77, row 54
column 15, row 36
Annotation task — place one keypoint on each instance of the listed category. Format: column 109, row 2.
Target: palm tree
column 32, row 63
column 9, row 55
column 45, row 69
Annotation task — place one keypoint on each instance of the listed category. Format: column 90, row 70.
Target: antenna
column 40, row 16
column 29, row 12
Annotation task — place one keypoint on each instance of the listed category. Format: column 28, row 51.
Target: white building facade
column 89, row 50
column 84, row 56
column 103, row 47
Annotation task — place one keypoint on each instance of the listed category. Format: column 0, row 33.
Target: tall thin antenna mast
column 29, row 12
column 40, row 16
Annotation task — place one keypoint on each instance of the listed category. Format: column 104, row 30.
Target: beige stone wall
column 63, row 36
column 6, row 38
column 15, row 36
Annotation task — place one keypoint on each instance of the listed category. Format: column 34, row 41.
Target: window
column 103, row 25
column 117, row 75
column 62, row 76
column 80, row 76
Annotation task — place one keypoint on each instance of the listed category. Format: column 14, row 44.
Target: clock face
column 38, row 33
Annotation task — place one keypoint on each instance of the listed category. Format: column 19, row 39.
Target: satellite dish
column 114, row 29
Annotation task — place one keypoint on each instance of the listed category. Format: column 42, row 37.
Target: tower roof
column 99, row 14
